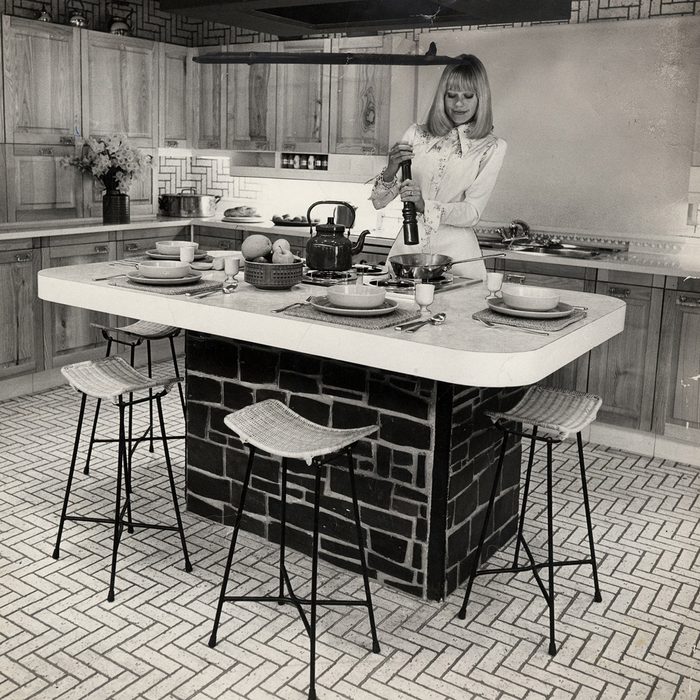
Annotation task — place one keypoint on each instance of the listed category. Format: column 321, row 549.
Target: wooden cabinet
column 621, row 370
column 20, row 311
column 39, row 187
column 210, row 238
column 207, row 106
column 677, row 401
column 363, row 104
column 41, row 66
column 137, row 242
column 250, row 104
column 303, row 100
column 120, row 87
column 578, row 279
column 68, row 335
column 175, row 96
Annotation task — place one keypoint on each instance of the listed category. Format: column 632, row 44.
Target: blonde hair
column 470, row 75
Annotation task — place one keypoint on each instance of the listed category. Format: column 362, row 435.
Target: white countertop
column 462, row 351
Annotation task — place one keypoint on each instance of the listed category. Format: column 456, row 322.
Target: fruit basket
column 264, row 275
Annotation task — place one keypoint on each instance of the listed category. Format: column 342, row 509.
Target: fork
column 491, row 324
column 289, row 306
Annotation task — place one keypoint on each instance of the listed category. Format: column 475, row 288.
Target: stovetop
column 395, row 285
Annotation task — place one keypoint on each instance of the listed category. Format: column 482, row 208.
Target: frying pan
column 427, row 266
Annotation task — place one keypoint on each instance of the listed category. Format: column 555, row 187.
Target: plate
column 243, row 219
column 285, row 222
column 167, row 256
column 562, row 310
column 203, row 265
column 323, row 304
column 187, row 279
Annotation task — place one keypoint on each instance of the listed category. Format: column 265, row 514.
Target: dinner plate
column 287, row 222
column 136, row 276
column 167, row 256
column 243, row 219
column 561, row 310
column 323, row 304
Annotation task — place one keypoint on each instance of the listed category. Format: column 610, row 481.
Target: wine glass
column 494, row 282
column 231, row 267
column 424, row 294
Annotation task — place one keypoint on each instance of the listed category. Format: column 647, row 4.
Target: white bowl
column 173, row 247
column 356, row 296
column 164, row 269
column 520, row 296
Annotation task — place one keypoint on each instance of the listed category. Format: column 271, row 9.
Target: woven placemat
column 538, row 324
column 399, row 315
column 201, row 286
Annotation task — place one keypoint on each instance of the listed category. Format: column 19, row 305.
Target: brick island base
column 423, row 479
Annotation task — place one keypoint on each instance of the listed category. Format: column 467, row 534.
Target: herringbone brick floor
column 59, row 638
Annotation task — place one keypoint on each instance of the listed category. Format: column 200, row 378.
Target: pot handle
column 480, row 257
column 217, row 198
column 331, row 201
column 192, row 190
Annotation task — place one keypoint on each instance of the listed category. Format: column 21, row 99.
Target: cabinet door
column 677, row 404
column 138, row 242
column 208, row 106
column 119, row 78
column 362, row 101
column 303, row 100
column 622, row 369
column 68, row 336
column 20, row 312
column 175, row 96
column 39, row 188
column 42, row 81
column 575, row 374
column 251, row 93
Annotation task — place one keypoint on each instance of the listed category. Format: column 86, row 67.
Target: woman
column 455, row 160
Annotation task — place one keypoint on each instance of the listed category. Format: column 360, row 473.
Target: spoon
column 436, row 320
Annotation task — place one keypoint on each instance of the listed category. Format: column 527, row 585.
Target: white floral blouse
column 456, row 175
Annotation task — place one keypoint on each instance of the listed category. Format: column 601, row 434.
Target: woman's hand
column 399, row 153
column 410, row 192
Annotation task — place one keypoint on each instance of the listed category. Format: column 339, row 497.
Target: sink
column 564, row 251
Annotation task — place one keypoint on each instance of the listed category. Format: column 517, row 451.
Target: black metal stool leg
column 71, row 471
column 477, row 554
column 131, row 432
column 121, row 462
column 314, row 589
column 177, row 374
column 526, row 492
column 173, row 491
column 550, row 550
column 361, row 549
column 584, row 487
column 86, row 469
column 232, row 547
column 150, row 397
column 283, row 528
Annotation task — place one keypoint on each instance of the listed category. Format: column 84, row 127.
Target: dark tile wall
column 398, row 489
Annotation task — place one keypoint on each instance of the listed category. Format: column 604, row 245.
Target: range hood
column 297, row 18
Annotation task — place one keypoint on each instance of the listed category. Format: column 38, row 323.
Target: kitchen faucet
column 518, row 231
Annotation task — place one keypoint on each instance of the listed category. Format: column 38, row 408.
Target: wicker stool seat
column 113, row 379
column 560, row 413
column 273, row 428
column 131, row 336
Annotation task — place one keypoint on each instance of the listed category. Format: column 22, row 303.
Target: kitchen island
column 423, row 478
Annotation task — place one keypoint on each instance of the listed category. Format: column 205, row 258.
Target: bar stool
column 272, row 427
column 112, row 378
column 560, row 413
column 133, row 335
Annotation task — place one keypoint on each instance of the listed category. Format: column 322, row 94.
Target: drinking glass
column 424, row 294
column 494, row 282
column 231, row 267
column 187, row 253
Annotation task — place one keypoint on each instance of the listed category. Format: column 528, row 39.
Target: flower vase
column 115, row 208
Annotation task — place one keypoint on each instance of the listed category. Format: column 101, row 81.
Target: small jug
column 76, row 16
column 120, row 25
column 43, row 15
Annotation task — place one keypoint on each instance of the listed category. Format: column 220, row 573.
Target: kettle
column 330, row 248
column 120, row 25
column 76, row 18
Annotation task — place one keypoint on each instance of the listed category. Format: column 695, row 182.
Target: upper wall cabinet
column 207, row 109
column 302, row 100
column 42, row 81
column 120, row 87
column 250, row 105
column 363, row 105
column 174, row 96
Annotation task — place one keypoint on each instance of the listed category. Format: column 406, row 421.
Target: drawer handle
column 23, row 257
column 67, row 140
column 289, row 146
column 101, row 249
column 131, row 247
column 620, row 292
column 224, row 245
column 688, row 302
column 170, row 143
column 509, row 277
column 212, row 144
column 46, row 151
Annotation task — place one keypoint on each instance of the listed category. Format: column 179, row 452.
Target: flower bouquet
column 114, row 164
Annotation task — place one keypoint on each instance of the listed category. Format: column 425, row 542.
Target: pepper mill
column 410, row 225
